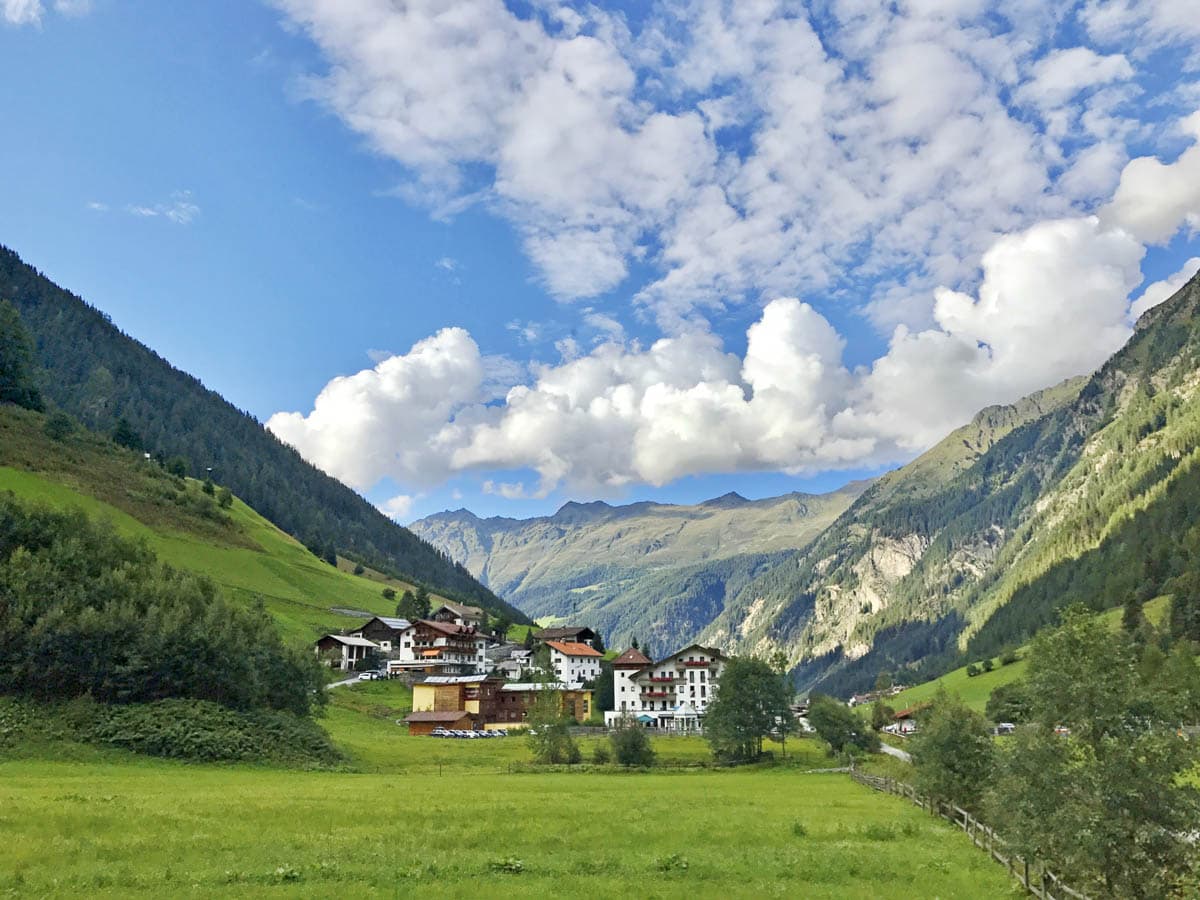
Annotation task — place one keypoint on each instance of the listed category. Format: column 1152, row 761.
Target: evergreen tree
column 421, row 600
column 18, row 383
column 1185, row 607
column 124, row 434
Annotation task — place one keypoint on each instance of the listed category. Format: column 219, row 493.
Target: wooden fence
column 1032, row 874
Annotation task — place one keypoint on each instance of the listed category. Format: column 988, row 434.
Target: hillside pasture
column 249, row 558
column 975, row 690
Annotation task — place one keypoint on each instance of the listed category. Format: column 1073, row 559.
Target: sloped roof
column 466, row 612
column 350, row 640
column 711, row 651
column 454, row 679
column 437, row 716
column 523, row 686
column 561, row 633
column 569, row 648
column 633, row 658
column 390, row 621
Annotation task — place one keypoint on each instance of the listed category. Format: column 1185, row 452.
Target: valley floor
column 453, row 818
column 157, row 829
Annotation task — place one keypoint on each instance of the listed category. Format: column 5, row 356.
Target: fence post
column 1026, row 872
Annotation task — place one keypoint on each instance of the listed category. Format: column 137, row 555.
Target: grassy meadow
column 447, row 818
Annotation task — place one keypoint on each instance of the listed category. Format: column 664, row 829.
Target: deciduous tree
column 953, row 752
column 751, row 702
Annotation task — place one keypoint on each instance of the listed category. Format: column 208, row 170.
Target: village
column 466, row 680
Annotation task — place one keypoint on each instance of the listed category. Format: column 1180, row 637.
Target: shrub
column 988, row 665
column 358, row 569
column 972, row 670
column 195, row 729
column 601, row 755
column 224, row 498
column 58, row 426
column 799, row 829
column 1008, row 657
column 631, row 743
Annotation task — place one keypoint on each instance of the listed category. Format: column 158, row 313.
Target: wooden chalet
column 572, row 634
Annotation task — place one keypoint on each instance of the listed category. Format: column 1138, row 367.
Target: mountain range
column 1083, row 492
column 657, row 572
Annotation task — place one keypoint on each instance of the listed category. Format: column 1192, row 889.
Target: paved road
column 896, row 752
column 353, row 679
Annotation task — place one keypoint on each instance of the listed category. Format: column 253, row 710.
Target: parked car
column 372, row 675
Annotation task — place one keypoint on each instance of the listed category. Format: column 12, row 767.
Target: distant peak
column 574, row 511
column 733, row 498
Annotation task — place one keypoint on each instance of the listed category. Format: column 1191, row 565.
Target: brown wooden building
column 454, row 720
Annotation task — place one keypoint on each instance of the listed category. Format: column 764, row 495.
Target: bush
column 972, row 670
column 601, row 756
column 58, row 426
column 631, row 744
column 1008, row 657
column 177, row 729
column 358, row 569
column 224, row 498
column 195, row 729
column 988, row 665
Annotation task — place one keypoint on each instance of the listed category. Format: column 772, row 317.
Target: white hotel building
column 672, row 693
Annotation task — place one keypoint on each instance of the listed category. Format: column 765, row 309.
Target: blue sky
column 640, row 252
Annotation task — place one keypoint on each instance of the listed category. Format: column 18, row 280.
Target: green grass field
column 453, row 818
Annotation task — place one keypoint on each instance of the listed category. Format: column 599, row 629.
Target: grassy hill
column 976, row 689
column 241, row 551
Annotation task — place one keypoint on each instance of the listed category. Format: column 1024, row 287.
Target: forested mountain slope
column 658, row 572
column 1089, row 496
column 101, row 376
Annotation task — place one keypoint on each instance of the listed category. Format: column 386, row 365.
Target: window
column 692, row 676
column 702, row 690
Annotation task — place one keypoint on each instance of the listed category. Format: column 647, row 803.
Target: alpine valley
column 1082, row 492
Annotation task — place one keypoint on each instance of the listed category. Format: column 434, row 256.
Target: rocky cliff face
column 979, row 542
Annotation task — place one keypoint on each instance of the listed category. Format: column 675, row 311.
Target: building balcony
column 654, row 694
column 662, row 678
column 697, row 663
